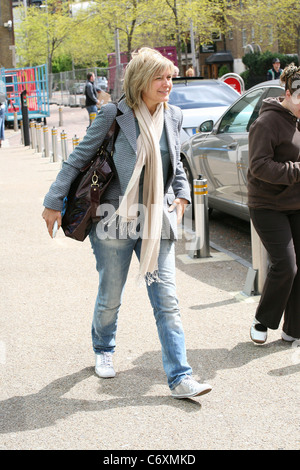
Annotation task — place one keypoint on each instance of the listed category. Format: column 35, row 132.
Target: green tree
column 46, row 34
column 287, row 13
column 89, row 41
column 127, row 16
column 276, row 19
column 206, row 17
column 44, row 31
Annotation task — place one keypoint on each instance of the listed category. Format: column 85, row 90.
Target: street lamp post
column 117, row 84
column 195, row 64
column 48, row 49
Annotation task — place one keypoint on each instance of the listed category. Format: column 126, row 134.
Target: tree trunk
column 178, row 37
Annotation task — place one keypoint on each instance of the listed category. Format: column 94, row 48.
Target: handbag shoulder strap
column 113, row 131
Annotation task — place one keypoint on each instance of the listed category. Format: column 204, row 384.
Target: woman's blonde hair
column 140, row 71
column 290, row 77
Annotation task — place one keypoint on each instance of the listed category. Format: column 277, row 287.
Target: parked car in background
column 200, row 100
column 101, row 83
column 77, row 88
column 219, row 152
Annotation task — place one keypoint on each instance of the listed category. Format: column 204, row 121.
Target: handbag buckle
column 95, row 179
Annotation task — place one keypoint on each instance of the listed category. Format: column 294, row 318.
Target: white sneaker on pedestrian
column 258, row 332
column 104, row 366
column 189, row 387
column 288, row 338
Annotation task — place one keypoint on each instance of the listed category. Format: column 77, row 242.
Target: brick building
column 7, row 39
column 228, row 50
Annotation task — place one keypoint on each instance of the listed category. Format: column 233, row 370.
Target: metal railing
column 67, row 88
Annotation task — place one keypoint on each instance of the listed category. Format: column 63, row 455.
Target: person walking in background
column 275, row 72
column 190, row 72
column 274, row 203
column 91, row 99
column 148, row 171
column 2, row 120
column 176, row 72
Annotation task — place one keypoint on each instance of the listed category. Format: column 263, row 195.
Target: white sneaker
column 189, row 387
column 286, row 337
column 104, row 365
column 258, row 332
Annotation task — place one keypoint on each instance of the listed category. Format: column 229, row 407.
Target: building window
column 216, row 36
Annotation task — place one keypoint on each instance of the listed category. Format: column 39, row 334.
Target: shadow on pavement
column 130, row 387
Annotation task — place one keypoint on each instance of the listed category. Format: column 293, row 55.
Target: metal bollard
column 64, row 146
column 32, row 134
column 22, row 132
column 38, row 128
column 46, row 142
column 75, row 141
column 54, row 144
column 16, row 126
column 257, row 274
column 25, row 117
column 60, row 114
column 259, row 259
column 200, row 243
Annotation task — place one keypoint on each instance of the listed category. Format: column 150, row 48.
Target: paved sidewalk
column 50, row 397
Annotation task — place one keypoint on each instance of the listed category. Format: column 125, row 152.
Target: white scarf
column 148, row 155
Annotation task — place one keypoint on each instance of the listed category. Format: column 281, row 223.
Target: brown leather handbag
column 80, row 206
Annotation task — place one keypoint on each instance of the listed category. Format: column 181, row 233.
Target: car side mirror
column 206, row 126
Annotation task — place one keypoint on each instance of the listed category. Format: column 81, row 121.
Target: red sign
column 234, row 83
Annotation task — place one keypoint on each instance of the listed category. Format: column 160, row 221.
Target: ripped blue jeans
column 113, row 259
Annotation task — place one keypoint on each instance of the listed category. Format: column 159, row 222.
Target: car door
column 223, row 157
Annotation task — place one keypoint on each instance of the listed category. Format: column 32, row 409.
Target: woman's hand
column 50, row 216
column 180, row 206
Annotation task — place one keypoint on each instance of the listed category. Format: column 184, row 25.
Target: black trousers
column 280, row 235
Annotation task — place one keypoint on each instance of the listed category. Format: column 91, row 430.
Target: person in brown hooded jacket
column 274, row 205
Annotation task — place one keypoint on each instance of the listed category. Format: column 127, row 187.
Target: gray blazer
column 125, row 155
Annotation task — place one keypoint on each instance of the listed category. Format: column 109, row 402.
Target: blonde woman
column 190, row 72
column 149, row 176
column 274, row 202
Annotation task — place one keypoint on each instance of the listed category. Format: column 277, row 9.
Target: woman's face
column 293, row 102
column 159, row 90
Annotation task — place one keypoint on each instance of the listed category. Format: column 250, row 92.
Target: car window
column 243, row 113
column 202, row 96
column 275, row 91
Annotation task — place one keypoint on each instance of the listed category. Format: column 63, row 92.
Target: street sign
column 235, row 81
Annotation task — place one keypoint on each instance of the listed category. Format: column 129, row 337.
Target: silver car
column 219, row 152
column 199, row 100
column 101, row 83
